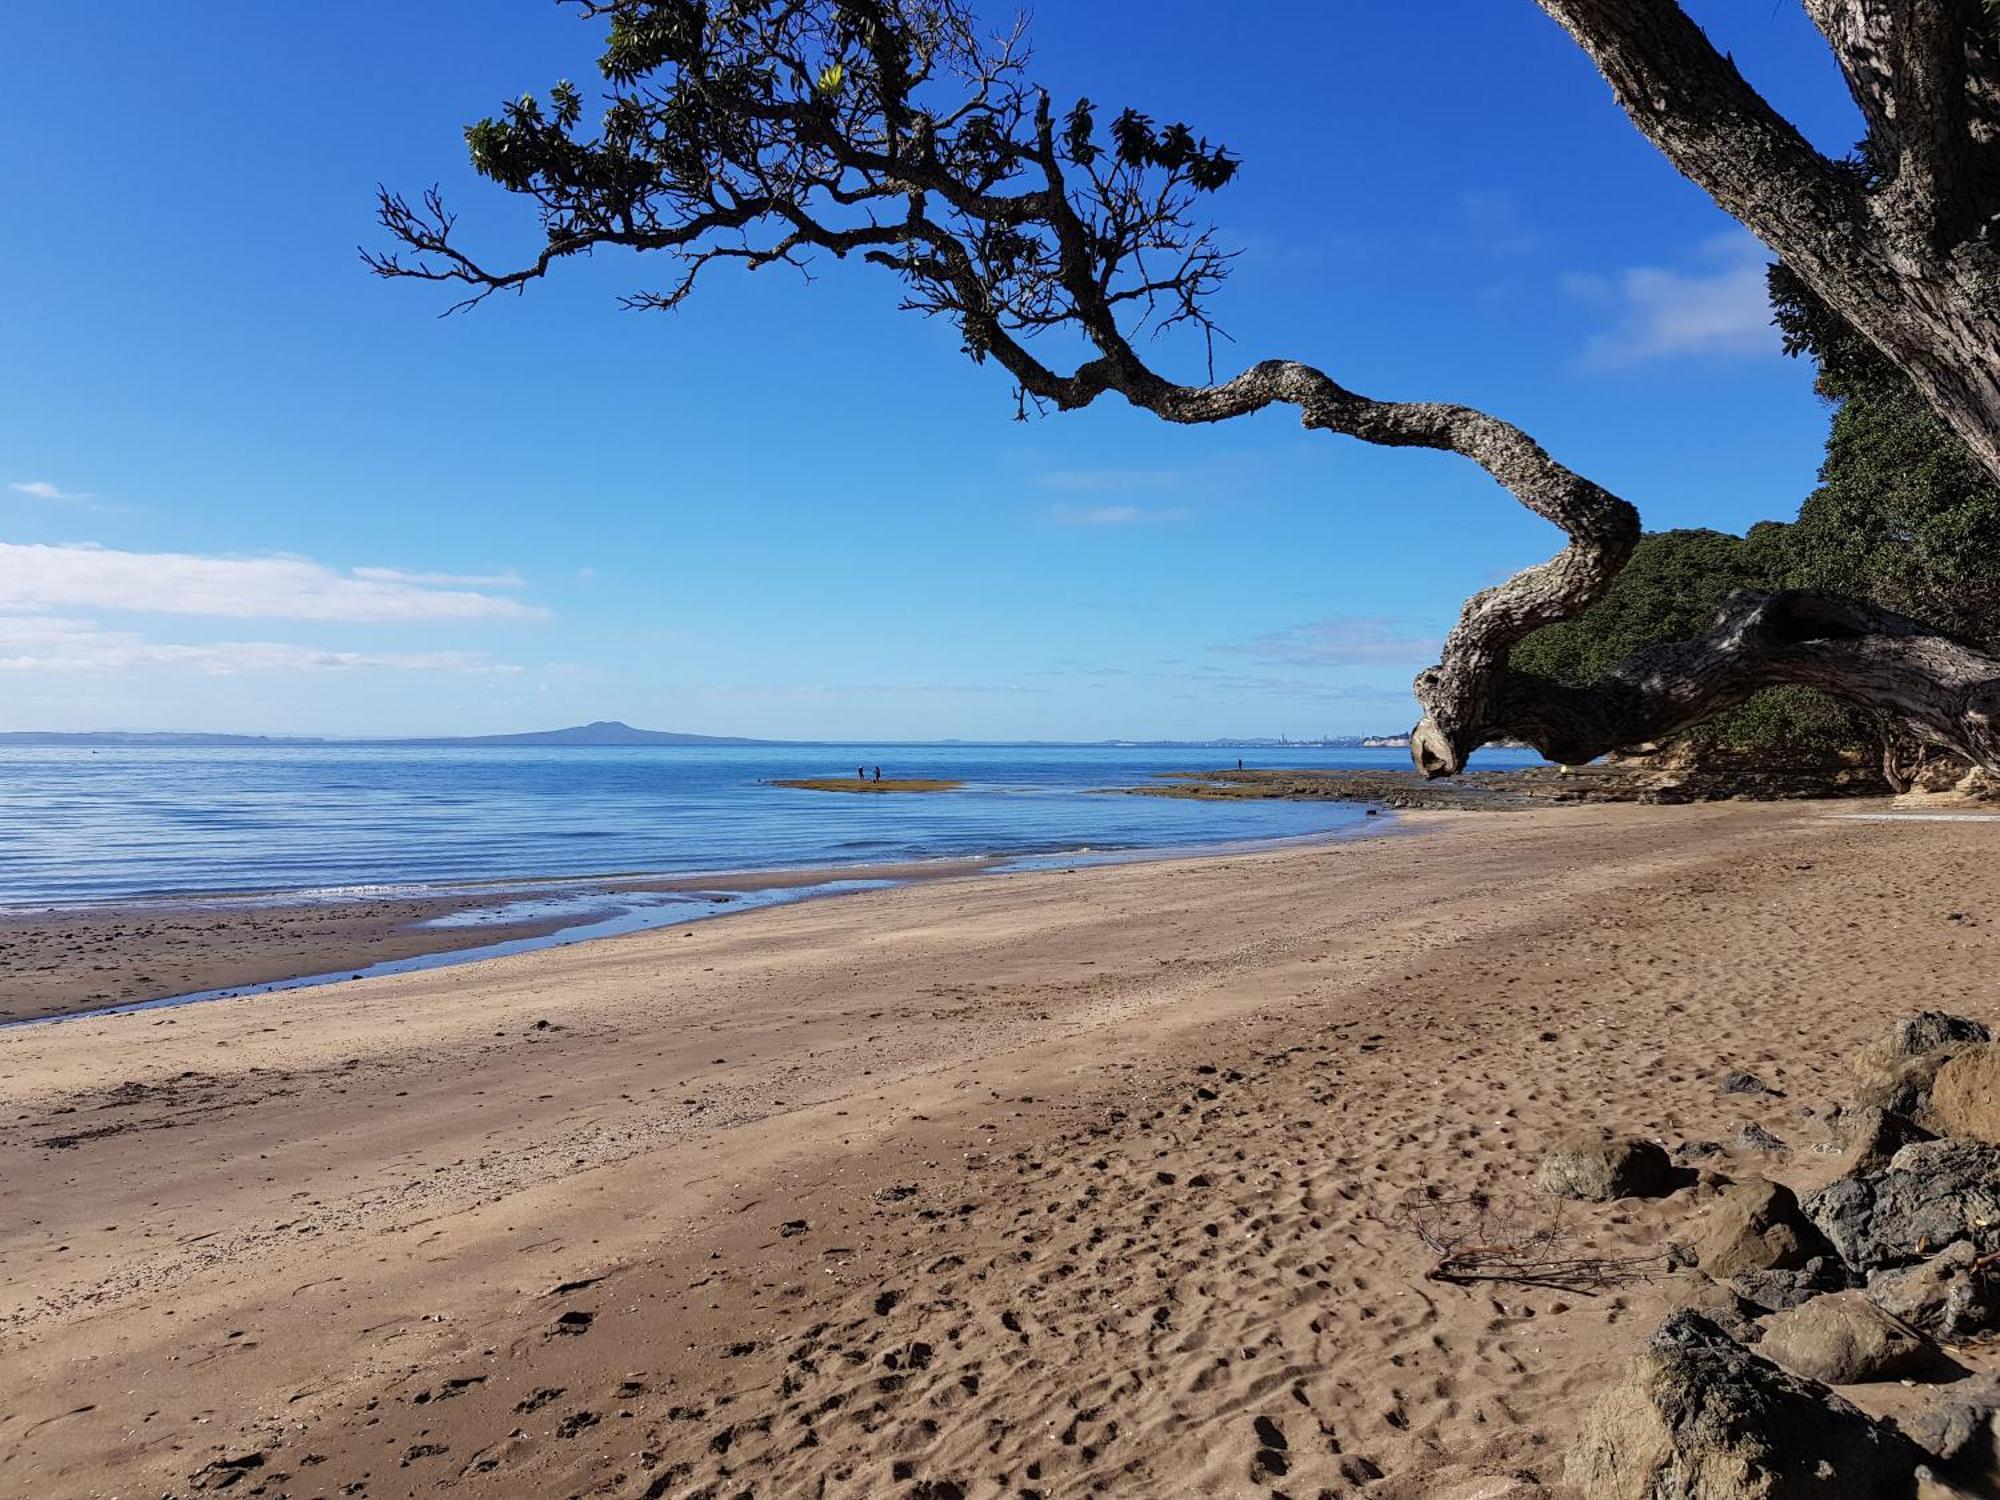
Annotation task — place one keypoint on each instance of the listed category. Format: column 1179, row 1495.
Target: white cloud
column 1718, row 307
column 41, row 489
column 1109, row 481
column 46, row 643
column 1344, row 641
column 34, row 577
column 1115, row 515
column 507, row 580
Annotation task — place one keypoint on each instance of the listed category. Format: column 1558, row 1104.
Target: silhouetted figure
column 878, row 773
column 860, row 773
column 1239, row 762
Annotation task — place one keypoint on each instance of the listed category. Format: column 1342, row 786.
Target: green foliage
column 1904, row 516
column 1670, row 590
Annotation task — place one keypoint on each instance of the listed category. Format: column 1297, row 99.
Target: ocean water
column 96, row 826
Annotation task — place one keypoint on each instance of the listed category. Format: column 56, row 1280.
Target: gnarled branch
column 764, row 131
column 1909, row 676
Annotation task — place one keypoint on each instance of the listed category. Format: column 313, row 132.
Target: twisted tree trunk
column 1901, row 245
column 1941, row 692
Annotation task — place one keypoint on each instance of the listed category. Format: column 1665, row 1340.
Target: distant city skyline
column 246, row 488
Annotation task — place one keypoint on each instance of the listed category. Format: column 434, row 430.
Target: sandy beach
column 1032, row 1185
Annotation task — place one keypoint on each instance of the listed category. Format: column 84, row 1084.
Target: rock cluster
column 1868, row 1279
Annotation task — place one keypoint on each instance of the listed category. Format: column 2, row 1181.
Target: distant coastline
column 611, row 733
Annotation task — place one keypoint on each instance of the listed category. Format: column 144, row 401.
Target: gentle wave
column 83, row 827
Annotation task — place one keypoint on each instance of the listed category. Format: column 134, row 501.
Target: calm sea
column 84, row 826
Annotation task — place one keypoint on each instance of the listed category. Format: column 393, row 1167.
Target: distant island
column 612, row 732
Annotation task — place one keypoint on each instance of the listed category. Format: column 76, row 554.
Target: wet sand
column 1033, row 1184
column 63, row 961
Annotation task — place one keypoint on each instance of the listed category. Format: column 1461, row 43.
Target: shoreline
column 246, row 943
column 71, row 962
column 1088, row 1182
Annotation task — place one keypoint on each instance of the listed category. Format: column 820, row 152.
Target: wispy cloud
column 1717, row 306
column 34, row 577
column 1110, row 481
column 508, row 580
column 1116, row 515
column 1344, row 641
column 47, row 643
column 1492, row 224
column 41, row 489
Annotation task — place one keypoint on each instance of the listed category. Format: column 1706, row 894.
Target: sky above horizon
column 244, row 486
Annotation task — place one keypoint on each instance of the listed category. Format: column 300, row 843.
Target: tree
column 759, row 132
column 1899, row 241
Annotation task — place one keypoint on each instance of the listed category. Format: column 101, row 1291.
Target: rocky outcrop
column 1929, row 1196
column 1844, row 1339
column 1703, row 1418
column 1596, row 1166
column 1755, row 1225
column 1965, row 1096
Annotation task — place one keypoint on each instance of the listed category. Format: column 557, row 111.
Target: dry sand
column 1030, row 1185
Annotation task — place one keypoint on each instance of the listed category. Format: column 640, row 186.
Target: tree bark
column 1939, row 691
column 1903, row 250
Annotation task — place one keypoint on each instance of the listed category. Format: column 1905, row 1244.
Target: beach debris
column 1703, row 1418
column 1746, row 1083
column 1965, row 1096
column 1871, row 1136
column 1598, row 1166
column 1954, row 1294
column 1961, row 1431
column 1845, row 1339
column 224, row 1473
column 1478, row 1237
column 1755, row 1225
column 1754, row 1137
column 1927, row 1196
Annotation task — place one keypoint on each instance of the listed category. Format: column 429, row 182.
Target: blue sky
column 245, row 486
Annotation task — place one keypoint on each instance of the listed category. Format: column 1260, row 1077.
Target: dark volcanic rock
column 1776, row 1290
column 1703, row 1418
column 1928, row 1196
column 1961, row 1431
column 1597, row 1167
column 1933, row 1031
